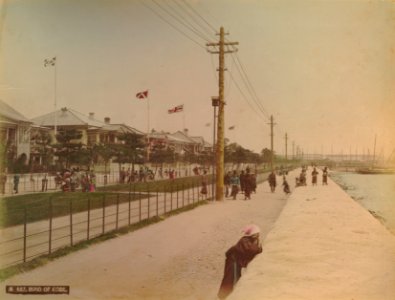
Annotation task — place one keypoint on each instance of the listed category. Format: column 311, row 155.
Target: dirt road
column 179, row 258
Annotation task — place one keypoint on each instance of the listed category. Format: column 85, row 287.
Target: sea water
column 375, row 192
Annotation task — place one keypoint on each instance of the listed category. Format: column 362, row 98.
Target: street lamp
column 49, row 63
column 215, row 104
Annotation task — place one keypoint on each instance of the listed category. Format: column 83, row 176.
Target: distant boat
column 375, row 171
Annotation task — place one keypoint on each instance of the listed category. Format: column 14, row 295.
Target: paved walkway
column 62, row 234
column 179, row 258
column 324, row 246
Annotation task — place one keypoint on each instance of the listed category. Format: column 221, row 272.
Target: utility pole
column 293, row 150
column 286, row 146
column 271, row 141
column 221, row 111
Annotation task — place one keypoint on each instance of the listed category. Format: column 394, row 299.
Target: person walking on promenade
column 272, row 181
column 286, row 185
column 203, row 191
column 314, row 176
column 227, row 183
column 325, row 176
column 235, row 183
column 44, row 183
column 16, row 183
column 239, row 256
column 3, row 180
column 242, row 181
column 247, row 185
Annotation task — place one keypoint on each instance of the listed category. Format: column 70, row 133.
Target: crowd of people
column 245, row 183
column 302, row 179
column 71, row 180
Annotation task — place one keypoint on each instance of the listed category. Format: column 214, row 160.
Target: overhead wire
column 176, row 17
column 254, row 94
column 173, row 26
column 186, row 9
column 201, row 17
column 244, row 96
column 249, row 89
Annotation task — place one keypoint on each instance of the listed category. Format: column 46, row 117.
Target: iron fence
column 86, row 219
column 25, row 242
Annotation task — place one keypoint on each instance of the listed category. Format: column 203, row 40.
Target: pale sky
column 324, row 69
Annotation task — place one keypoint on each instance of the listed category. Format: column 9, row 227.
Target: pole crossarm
column 217, row 52
column 225, row 44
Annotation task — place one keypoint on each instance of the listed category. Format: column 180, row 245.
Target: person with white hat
column 239, row 256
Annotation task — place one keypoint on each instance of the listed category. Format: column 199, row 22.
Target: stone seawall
column 323, row 246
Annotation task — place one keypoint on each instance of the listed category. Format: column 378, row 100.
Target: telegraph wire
column 192, row 17
column 180, row 21
column 249, row 89
column 204, row 20
column 244, row 96
column 251, row 86
column 173, row 26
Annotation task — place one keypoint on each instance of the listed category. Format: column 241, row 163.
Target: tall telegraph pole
column 221, row 112
column 286, row 146
column 271, row 141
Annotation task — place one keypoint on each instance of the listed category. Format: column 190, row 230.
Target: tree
column 42, row 145
column 131, row 150
column 161, row 154
column 266, row 155
column 68, row 150
column 103, row 152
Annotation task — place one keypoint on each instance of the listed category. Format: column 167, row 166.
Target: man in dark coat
column 239, row 256
column 242, row 181
column 248, row 184
column 272, row 181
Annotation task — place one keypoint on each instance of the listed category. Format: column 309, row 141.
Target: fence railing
column 41, row 182
column 25, row 242
column 76, row 220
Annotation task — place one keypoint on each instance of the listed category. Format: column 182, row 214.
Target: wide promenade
column 323, row 246
column 318, row 243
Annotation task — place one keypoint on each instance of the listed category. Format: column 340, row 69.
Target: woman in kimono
column 239, row 256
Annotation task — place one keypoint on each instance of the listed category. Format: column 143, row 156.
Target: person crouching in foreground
column 239, row 256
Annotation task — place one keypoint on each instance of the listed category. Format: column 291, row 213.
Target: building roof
column 166, row 136
column 71, row 117
column 7, row 112
column 200, row 140
column 67, row 117
column 122, row 128
column 185, row 138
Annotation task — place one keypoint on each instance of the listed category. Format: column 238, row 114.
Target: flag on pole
column 231, row 127
column 50, row 62
column 142, row 95
column 176, row 109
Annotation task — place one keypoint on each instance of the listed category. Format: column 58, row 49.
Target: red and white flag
column 142, row 95
column 176, row 109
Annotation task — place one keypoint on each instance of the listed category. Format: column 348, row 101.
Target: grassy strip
column 38, row 204
column 43, row 260
column 165, row 185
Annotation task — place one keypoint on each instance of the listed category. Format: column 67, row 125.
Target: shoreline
column 360, row 200
column 326, row 246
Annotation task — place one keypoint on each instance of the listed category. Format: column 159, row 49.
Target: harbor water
column 375, row 192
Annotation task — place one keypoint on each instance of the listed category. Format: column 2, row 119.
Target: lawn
column 38, row 205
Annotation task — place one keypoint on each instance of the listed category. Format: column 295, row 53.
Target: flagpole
column 148, row 131
column 52, row 62
column 183, row 119
column 55, row 100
